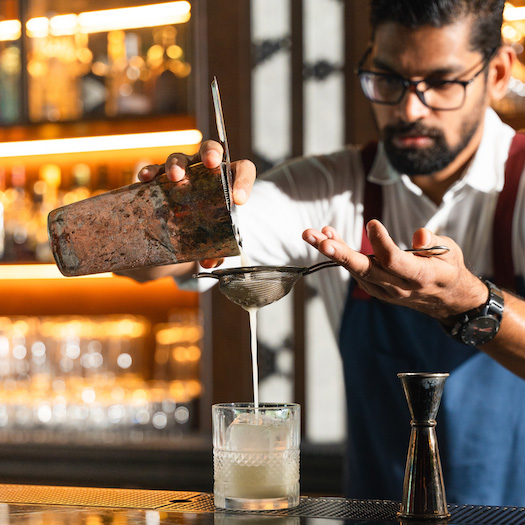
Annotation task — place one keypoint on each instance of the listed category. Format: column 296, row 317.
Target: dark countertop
column 53, row 505
column 169, row 464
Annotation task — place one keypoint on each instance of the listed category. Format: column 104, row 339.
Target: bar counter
column 53, row 505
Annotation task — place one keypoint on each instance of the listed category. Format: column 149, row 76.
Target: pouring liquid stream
column 255, row 365
column 252, row 311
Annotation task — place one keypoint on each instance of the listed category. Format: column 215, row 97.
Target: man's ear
column 500, row 69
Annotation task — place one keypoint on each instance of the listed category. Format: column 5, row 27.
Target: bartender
column 446, row 171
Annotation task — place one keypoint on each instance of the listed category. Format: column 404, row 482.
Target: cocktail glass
column 256, row 455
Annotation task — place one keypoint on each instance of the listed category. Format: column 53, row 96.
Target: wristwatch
column 480, row 325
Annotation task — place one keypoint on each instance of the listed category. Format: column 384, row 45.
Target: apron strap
column 372, row 208
column 373, row 198
column 503, row 266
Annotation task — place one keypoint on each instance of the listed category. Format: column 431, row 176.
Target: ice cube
column 257, row 432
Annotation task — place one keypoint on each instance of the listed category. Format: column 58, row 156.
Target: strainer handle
column 319, row 266
column 206, row 274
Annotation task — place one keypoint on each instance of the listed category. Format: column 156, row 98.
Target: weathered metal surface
column 146, row 224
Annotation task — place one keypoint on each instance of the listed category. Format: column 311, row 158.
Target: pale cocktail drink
column 256, row 455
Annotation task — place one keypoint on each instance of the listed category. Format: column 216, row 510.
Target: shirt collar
column 485, row 172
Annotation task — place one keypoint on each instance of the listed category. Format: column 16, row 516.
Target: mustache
column 411, row 129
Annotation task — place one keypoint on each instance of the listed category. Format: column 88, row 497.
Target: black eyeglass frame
column 406, row 83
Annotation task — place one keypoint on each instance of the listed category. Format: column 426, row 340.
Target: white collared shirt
column 328, row 190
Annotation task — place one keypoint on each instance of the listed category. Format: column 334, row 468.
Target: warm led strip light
column 97, row 21
column 513, row 14
column 111, row 19
column 156, row 139
column 10, row 30
column 39, row 271
column 134, row 17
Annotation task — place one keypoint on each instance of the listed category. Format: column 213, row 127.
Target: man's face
column 419, row 140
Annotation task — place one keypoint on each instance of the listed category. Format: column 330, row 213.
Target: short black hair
column 486, row 15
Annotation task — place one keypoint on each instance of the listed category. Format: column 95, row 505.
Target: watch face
column 480, row 330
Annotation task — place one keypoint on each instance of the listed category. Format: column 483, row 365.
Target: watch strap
column 491, row 312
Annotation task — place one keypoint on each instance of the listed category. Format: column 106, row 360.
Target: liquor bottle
column 45, row 198
column 18, row 214
column 3, row 201
column 101, row 180
column 80, row 187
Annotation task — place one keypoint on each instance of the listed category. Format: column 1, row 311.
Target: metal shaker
column 147, row 224
column 151, row 224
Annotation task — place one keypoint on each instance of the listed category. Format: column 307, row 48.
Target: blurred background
column 104, row 381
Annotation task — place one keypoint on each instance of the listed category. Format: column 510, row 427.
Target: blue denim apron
column 481, row 420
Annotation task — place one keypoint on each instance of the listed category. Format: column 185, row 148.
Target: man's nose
column 412, row 107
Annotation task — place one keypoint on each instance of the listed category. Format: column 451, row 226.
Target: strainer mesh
column 257, row 289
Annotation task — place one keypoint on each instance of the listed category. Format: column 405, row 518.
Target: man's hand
column 211, row 155
column 440, row 286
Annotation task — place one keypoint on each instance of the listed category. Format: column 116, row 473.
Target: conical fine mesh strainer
column 258, row 286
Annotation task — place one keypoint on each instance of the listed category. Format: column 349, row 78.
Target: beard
column 431, row 159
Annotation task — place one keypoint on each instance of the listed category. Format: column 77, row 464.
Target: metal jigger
column 423, row 487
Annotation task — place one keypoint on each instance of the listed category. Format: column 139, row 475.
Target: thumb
column 424, row 238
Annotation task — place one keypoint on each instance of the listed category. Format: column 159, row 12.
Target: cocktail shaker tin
column 147, row 224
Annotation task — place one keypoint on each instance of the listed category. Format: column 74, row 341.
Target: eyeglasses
column 438, row 94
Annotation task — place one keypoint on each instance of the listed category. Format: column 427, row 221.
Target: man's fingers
column 355, row 262
column 244, row 172
column 211, row 154
column 399, row 262
column 211, row 263
column 176, row 166
column 362, row 267
column 244, row 177
column 149, row 172
column 330, row 243
column 313, row 237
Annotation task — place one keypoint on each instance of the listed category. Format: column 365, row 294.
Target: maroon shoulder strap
column 503, row 267
column 372, row 208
